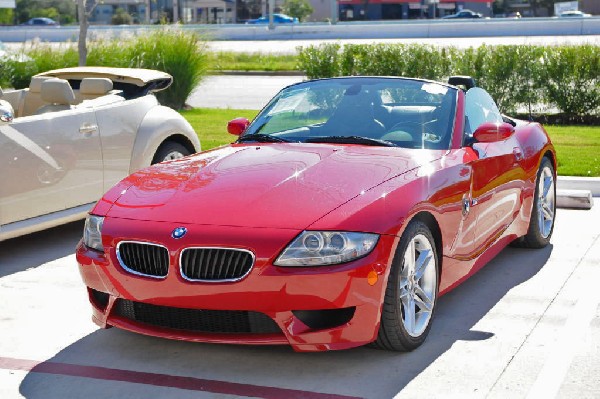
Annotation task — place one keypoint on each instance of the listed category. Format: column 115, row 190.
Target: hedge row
column 181, row 54
column 566, row 78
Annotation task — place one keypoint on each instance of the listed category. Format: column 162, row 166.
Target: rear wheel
column 411, row 293
column 168, row 151
column 541, row 223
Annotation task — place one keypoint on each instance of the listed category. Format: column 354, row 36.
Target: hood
column 272, row 185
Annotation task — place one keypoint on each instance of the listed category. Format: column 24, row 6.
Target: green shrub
column 18, row 70
column 320, row 61
column 181, row 54
column 121, row 17
column 517, row 76
column 570, row 77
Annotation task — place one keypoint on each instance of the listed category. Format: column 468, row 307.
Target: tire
column 168, row 151
column 410, row 287
column 543, row 212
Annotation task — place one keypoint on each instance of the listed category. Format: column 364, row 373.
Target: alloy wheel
column 418, row 283
column 546, row 202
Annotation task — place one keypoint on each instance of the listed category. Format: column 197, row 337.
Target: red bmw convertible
column 338, row 218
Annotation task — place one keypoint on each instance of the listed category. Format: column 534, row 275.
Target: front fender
column 158, row 125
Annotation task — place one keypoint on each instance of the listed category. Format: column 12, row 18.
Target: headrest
column 35, row 86
column 57, row 91
column 95, row 86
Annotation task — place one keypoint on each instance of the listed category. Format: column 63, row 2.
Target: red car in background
column 337, row 219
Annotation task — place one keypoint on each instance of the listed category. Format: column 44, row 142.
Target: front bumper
column 314, row 309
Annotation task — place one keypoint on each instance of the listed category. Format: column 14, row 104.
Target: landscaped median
column 518, row 77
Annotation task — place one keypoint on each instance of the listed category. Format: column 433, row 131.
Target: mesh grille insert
column 196, row 320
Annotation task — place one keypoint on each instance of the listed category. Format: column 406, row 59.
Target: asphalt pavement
column 526, row 326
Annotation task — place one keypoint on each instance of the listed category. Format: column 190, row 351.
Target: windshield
column 371, row 111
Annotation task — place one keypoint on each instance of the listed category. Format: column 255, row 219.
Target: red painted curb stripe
column 162, row 380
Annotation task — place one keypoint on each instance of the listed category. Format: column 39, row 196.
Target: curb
column 579, row 183
column 574, row 199
column 577, row 192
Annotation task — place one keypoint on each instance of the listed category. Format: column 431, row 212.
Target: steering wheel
column 417, row 131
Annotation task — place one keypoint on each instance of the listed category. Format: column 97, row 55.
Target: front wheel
column 168, row 151
column 411, row 293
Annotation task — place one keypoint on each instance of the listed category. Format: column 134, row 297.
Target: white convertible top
column 137, row 76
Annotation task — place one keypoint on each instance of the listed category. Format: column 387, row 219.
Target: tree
column 6, row 16
column 62, row 11
column 84, row 10
column 121, row 17
column 297, row 8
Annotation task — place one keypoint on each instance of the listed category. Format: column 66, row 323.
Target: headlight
column 92, row 232
column 318, row 248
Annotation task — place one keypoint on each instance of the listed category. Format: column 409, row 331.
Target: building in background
column 590, row 6
column 167, row 11
column 354, row 10
column 239, row 11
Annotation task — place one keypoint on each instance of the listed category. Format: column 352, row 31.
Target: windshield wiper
column 262, row 138
column 350, row 140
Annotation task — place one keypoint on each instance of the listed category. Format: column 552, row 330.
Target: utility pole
column 271, row 8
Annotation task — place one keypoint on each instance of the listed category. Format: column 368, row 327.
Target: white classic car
column 73, row 134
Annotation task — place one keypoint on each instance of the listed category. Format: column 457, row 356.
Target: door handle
column 88, row 128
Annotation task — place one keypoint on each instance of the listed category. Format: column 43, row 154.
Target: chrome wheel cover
column 546, row 202
column 173, row 155
column 418, row 282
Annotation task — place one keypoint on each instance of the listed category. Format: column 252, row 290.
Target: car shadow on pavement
column 360, row 372
column 33, row 250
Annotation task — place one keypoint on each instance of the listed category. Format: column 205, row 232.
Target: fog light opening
column 325, row 318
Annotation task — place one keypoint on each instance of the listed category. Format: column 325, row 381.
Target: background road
column 527, row 325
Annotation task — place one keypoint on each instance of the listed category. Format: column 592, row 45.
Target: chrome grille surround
column 242, row 267
column 159, row 271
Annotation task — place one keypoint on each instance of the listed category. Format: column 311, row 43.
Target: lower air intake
column 197, row 320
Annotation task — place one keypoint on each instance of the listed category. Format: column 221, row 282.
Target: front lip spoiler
column 215, row 338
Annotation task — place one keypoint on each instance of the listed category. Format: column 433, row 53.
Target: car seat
column 31, row 100
column 354, row 116
column 58, row 95
column 91, row 88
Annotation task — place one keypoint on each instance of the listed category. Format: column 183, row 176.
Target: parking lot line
column 163, row 380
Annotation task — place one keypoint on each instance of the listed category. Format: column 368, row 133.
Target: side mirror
column 237, row 126
column 490, row 132
column 6, row 112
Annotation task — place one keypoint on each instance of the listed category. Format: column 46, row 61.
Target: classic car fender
column 158, row 125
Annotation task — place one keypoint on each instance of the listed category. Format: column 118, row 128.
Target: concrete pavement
column 526, row 325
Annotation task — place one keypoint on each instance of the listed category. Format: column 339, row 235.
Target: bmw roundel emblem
column 178, row 232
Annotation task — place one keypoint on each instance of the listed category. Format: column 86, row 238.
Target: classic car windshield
column 371, row 111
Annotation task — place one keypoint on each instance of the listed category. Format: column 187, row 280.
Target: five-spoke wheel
column 411, row 293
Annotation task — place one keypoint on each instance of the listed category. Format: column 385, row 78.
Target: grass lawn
column 211, row 124
column 577, row 147
column 231, row 61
